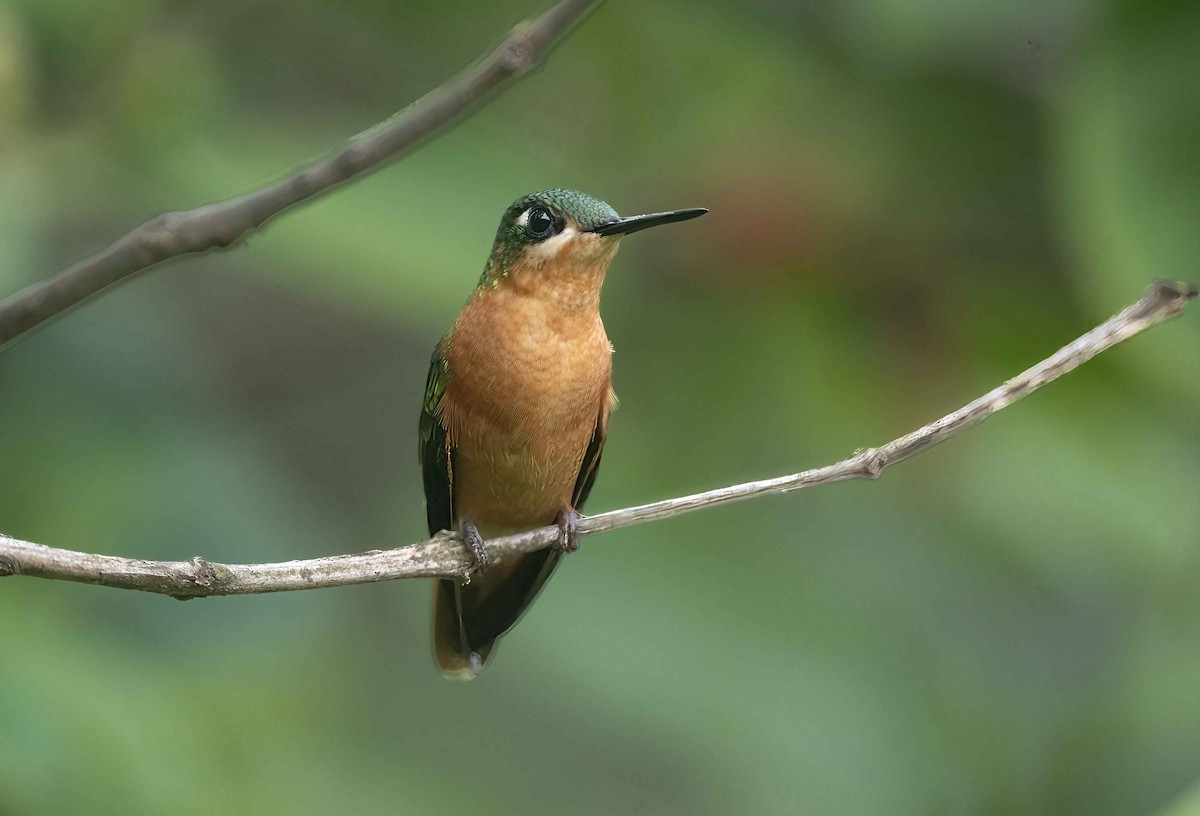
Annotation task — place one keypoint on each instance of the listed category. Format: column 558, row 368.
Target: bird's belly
column 504, row 485
column 523, row 399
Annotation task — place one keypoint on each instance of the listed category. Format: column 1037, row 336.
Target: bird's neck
column 565, row 277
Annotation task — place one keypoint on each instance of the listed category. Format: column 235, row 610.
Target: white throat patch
column 549, row 249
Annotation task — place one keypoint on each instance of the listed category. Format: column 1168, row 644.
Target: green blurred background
column 911, row 201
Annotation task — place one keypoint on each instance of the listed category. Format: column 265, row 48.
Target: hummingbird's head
column 562, row 239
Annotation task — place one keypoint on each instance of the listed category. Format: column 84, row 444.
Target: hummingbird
column 516, row 409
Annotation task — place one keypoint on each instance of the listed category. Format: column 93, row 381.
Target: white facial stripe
column 550, row 248
column 523, row 218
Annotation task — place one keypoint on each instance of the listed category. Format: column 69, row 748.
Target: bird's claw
column 479, row 552
column 568, row 530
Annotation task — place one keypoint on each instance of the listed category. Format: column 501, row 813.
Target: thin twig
column 444, row 556
column 220, row 225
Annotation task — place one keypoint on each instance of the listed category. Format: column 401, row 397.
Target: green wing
column 437, row 465
column 591, row 460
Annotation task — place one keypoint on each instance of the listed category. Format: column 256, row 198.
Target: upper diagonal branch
column 219, row 225
column 444, row 556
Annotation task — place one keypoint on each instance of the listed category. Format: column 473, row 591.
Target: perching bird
column 516, row 409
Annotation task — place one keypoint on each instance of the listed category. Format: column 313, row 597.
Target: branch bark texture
column 220, row 225
column 444, row 554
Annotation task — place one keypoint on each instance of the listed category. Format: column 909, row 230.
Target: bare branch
column 444, row 556
column 220, row 225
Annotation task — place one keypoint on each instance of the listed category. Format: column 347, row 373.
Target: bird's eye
column 540, row 222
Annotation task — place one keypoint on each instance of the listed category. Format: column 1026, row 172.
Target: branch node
column 153, row 238
column 9, row 566
column 873, row 462
column 203, row 573
column 519, row 54
column 1168, row 298
column 1170, row 290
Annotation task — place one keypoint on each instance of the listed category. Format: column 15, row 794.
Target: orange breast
column 527, row 385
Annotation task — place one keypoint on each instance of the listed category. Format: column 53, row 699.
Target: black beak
column 624, row 226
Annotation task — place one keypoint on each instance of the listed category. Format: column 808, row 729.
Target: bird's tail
column 456, row 658
column 468, row 621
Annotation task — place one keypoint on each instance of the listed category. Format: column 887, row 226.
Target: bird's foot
column 568, row 530
column 479, row 553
